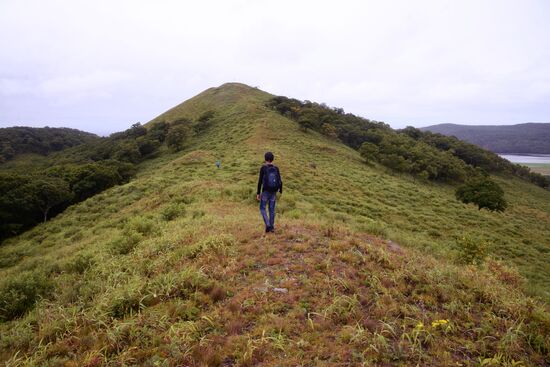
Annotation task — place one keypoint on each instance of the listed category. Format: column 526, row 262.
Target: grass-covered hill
column 529, row 138
column 173, row 267
column 19, row 140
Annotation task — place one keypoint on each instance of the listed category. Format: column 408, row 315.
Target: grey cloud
column 103, row 65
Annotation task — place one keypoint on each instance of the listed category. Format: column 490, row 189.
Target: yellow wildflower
column 439, row 323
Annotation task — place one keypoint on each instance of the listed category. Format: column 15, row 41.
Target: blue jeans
column 268, row 197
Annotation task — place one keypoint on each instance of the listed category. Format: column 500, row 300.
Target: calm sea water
column 521, row 158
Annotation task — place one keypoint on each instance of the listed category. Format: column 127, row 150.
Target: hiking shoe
column 267, row 229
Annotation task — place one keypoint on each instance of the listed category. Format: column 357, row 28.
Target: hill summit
column 173, row 267
column 217, row 98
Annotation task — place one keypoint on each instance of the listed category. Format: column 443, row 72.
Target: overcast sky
column 102, row 65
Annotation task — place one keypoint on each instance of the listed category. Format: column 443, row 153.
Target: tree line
column 375, row 140
column 476, row 156
column 28, row 198
column 425, row 155
column 421, row 153
column 22, row 139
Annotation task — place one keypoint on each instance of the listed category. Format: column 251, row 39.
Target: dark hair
column 269, row 157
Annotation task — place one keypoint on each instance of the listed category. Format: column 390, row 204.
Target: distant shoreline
column 539, row 163
column 525, row 154
column 526, row 158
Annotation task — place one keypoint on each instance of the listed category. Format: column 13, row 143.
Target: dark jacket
column 263, row 171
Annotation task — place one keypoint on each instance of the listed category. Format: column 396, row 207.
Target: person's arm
column 260, row 181
column 280, row 181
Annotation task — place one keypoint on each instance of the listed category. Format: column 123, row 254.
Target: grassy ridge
column 172, row 268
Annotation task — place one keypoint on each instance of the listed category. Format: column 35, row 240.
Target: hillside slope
column 173, row 268
column 529, row 138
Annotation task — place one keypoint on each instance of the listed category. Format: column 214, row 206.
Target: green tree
column 412, row 132
column 483, row 192
column 369, row 151
column 178, row 136
column 45, row 193
column 204, row 122
column 90, row 179
column 329, row 130
column 395, row 162
column 136, row 130
column 147, row 145
column 305, row 123
column 374, row 136
column 127, row 151
column 158, row 131
column 15, row 213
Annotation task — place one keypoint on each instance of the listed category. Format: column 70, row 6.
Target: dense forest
column 421, row 153
column 22, row 139
column 28, row 197
column 530, row 138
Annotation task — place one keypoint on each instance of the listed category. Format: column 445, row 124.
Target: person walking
column 269, row 183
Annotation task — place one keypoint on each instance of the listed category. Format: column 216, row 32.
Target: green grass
column 173, row 268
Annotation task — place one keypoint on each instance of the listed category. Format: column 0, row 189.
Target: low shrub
column 506, row 273
column 198, row 214
column 142, row 225
column 80, row 263
column 127, row 302
column 182, row 310
column 124, row 245
column 11, row 258
column 19, row 293
column 471, row 251
column 136, row 295
column 172, row 211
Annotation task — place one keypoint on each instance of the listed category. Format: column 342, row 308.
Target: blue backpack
column 271, row 179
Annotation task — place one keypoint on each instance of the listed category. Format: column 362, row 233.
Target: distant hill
column 39, row 140
column 531, row 138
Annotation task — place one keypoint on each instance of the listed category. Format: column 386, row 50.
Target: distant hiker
column 218, row 164
column 268, row 184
